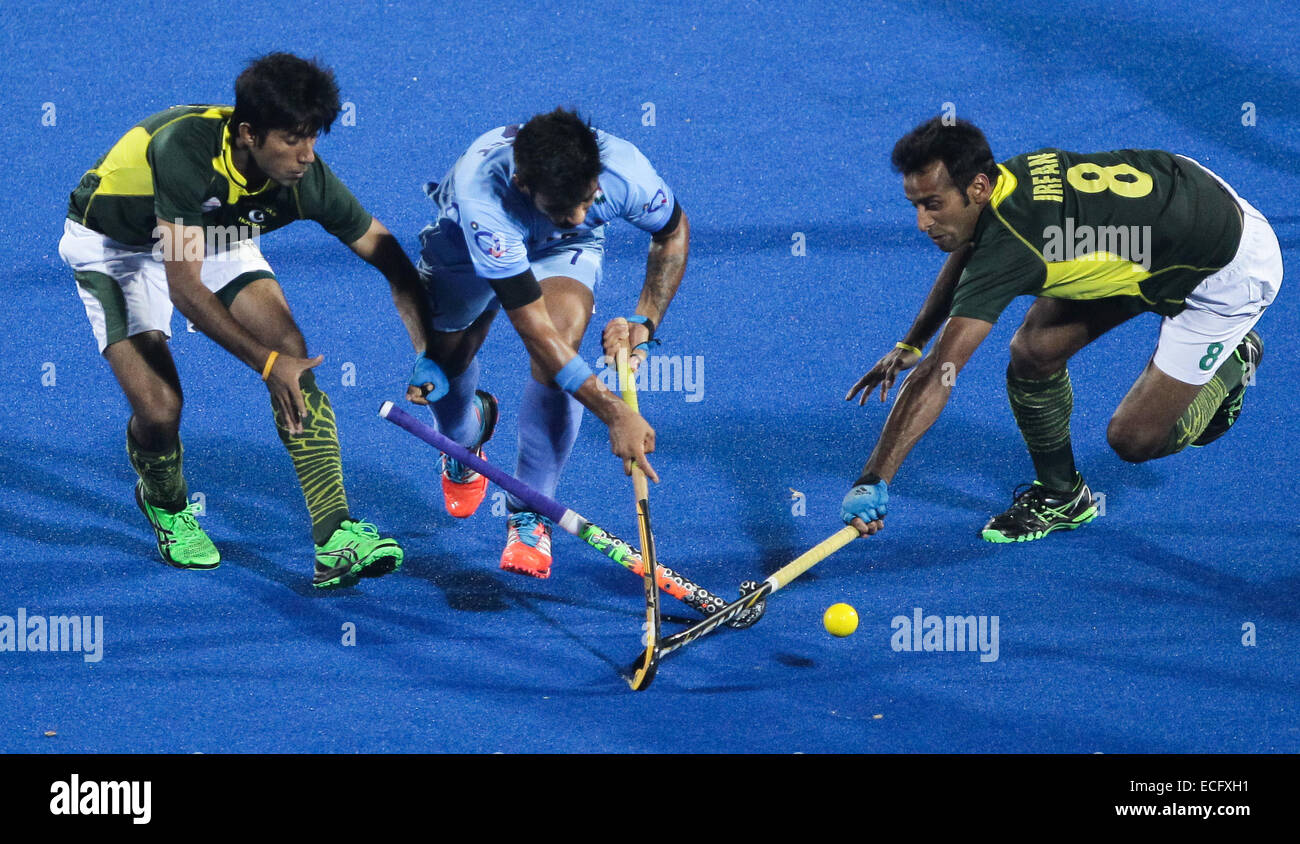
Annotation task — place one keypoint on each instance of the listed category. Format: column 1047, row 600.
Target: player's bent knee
column 1132, row 444
column 1031, row 358
column 453, row 360
column 159, row 412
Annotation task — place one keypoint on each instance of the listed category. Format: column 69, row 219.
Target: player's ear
column 244, row 131
column 980, row 189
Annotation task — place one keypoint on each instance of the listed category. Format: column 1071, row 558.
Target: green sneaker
column 356, row 548
column 181, row 542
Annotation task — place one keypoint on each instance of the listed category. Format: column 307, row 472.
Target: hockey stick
column 644, row 671
column 674, row 583
column 779, row 579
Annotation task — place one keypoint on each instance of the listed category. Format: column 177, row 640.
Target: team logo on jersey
column 257, row 216
column 211, row 204
column 488, row 242
column 659, row 200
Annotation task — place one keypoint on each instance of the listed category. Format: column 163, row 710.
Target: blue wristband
column 643, row 320
column 650, row 342
column 574, row 374
column 427, row 371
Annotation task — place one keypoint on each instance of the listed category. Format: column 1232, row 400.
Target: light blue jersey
column 499, row 230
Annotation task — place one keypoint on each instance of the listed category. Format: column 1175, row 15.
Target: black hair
column 283, row 91
column 557, row 154
column 960, row 145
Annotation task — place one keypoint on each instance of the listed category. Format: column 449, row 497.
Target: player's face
column 567, row 218
column 284, row 156
column 943, row 212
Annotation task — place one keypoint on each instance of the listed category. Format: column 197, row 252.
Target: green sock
column 160, row 473
column 1202, row 409
column 1042, row 410
column 316, row 459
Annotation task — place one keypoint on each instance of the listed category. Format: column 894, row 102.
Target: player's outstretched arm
column 664, row 267
column 920, row 401
column 201, row 307
column 630, row 436
column 382, row 251
column 897, row 360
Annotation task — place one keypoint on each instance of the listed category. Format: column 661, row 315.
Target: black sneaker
column 1038, row 511
column 1250, row 352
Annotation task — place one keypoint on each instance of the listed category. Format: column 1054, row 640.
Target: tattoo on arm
column 665, row 266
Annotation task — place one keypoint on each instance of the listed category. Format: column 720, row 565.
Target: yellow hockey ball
column 840, row 619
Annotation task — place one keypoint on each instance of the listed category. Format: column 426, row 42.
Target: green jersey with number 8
column 1142, row 224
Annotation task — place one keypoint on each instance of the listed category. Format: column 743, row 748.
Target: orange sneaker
column 463, row 489
column 528, row 545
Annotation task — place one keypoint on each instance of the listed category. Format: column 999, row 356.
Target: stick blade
column 643, row 670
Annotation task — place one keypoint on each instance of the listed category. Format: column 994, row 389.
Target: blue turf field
column 770, row 120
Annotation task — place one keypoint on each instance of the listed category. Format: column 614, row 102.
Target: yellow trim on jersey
column 1094, row 276
column 1006, row 185
column 237, row 185
column 125, row 169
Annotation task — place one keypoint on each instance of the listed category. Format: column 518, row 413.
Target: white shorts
column 458, row 295
column 124, row 288
column 1224, row 306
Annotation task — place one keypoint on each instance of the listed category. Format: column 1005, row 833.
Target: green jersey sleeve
column 324, row 198
column 1002, row 268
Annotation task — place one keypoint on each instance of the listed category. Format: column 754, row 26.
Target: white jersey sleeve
column 631, row 186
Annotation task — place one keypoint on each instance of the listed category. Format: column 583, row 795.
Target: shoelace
column 1019, row 496
column 189, row 515
column 524, row 524
column 366, row 529
column 187, row 518
column 1030, row 497
column 458, row 472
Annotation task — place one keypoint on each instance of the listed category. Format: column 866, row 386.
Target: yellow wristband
column 270, row 362
column 913, row 349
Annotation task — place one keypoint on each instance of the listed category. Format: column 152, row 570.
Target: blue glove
column 866, row 502
column 427, row 371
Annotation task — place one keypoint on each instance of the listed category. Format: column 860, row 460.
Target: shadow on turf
column 1215, row 74
column 1215, row 586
